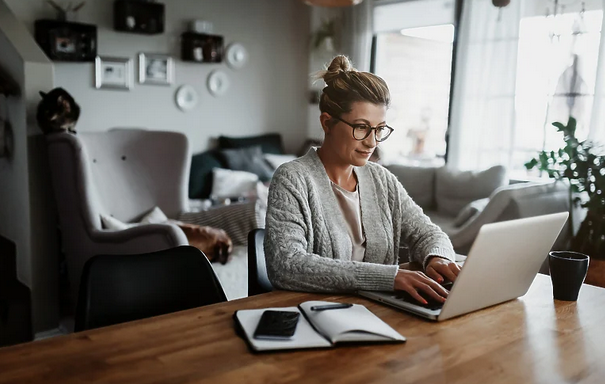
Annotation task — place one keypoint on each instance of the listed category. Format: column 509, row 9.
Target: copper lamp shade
column 500, row 3
column 332, row 3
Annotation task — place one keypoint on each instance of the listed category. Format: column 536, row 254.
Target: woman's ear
column 326, row 122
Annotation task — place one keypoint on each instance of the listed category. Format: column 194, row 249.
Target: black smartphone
column 276, row 325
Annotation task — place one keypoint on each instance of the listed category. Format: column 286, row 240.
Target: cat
column 57, row 112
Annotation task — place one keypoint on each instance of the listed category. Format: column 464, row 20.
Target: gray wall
column 26, row 207
column 267, row 95
column 14, row 191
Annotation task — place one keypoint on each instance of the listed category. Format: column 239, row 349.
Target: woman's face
column 339, row 137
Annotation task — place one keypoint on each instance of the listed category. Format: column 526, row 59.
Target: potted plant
column 325, row 35
column 579, row 163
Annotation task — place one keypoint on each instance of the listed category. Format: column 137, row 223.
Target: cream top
column 350, row 208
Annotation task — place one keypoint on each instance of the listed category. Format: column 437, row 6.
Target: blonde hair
column 345, row 85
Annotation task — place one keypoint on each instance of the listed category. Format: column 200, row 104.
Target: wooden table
column 530, row 340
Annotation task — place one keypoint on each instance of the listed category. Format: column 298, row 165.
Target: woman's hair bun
column 338, row 65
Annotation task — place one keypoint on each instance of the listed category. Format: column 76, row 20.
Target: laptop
column 501, row 266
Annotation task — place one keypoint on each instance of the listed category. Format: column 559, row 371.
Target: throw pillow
column 114, row 224
column 455, row 189
column 248, row 159
column 276, row 160
column 155, row 216
column 200, row 175
column 227, row 183
column 471, row 210
column 270, row 143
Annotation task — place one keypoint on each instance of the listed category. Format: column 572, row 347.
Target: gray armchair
column 121, row 173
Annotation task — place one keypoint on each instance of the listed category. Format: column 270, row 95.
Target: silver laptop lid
column 502, row 263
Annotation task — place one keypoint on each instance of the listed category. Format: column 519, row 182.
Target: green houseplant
column 578, row 163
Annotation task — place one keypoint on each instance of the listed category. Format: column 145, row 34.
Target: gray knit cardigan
column 307, row 245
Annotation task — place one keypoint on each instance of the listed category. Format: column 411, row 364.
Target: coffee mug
column 567, row 271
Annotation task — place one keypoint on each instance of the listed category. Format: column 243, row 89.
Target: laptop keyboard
column 432, row 304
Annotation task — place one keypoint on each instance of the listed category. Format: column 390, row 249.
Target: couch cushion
column 227, row 183
column 248, row 159
column 200, row 176
column 269, row 143
column 419, row 182
column 455, row 189
column 445, row 222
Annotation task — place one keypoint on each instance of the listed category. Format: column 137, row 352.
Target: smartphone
column 276, row 325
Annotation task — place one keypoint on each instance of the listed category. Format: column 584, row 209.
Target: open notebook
column 320, row 329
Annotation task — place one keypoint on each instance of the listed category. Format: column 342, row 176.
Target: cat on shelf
column 57, row 112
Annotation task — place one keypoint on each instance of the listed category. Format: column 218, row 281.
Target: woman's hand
column 412, row 281
column 441, row 269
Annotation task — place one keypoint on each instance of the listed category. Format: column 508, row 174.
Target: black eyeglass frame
column 375, row 129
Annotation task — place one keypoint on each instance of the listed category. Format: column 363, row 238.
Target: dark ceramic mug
column 567, row 272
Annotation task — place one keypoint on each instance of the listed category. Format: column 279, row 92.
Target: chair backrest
column 258, row 281
column 122, row 173
column 119, row 288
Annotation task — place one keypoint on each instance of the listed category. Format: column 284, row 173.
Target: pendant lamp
column 500, row 3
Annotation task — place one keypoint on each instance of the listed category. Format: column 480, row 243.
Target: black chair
column 119, row 288
column 258, row 281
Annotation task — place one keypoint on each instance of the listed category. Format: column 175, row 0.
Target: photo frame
column 156, row 69
column 113, row 73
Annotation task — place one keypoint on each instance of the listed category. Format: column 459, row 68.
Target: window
column 556, row 76
column 413, row 53
column 416, row 64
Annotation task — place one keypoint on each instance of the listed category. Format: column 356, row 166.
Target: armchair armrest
column 514, row 201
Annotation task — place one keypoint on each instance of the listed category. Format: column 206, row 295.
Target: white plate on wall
column 186, row 97
column 218, row 82
column 236, row 56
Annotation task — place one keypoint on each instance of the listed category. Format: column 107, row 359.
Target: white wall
column 267, row 95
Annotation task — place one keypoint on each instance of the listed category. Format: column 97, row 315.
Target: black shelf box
column 138, row 16
column 66, row 41
column 202, row 48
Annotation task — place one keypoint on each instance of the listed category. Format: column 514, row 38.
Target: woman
column 334, row 220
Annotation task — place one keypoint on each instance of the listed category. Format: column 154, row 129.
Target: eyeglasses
column 362, row 131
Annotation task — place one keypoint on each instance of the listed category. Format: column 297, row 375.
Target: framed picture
column 113, row 72
column 155, row 69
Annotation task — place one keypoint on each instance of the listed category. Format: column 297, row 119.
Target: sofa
column 461, row 202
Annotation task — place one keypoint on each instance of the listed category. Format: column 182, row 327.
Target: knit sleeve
column 291, row 226
column 423, row 238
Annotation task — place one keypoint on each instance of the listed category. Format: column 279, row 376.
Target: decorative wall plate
column 218, row 83
column 236, row 56
column 186, row 97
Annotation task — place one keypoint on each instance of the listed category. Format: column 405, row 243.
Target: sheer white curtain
column 597, row 121
column 483, row 111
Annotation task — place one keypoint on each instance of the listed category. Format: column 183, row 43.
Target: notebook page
column 304, row 337
column 356, row 323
